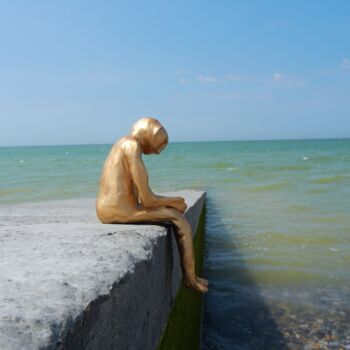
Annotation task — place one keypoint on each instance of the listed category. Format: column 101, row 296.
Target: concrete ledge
column 67, row 281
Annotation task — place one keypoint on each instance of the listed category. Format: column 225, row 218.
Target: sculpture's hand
column 179, row 204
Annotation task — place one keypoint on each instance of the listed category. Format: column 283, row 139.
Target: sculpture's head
column 151, row 134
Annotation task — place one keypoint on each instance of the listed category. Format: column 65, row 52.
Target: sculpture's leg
column 183, row 238
column 184, row 241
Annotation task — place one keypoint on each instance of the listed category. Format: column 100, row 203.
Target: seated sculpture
column 125, row 197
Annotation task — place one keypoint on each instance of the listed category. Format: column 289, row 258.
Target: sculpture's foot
column 202, row 281
column 195, row 284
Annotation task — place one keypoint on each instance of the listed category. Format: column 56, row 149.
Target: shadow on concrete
column 235, row 313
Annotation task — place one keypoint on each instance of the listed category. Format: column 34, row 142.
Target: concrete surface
column 70, row 282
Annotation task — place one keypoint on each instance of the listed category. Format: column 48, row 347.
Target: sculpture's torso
column 117, row 195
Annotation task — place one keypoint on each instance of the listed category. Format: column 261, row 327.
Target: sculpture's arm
column 139, row 175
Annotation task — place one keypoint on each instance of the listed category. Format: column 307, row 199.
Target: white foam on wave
column 21, row 161
column 334, row 249
column 305, row 158
column 231, row 169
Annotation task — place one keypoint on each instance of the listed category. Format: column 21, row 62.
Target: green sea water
column 277, row 229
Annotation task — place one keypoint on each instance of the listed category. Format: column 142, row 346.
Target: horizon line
column 196, row 141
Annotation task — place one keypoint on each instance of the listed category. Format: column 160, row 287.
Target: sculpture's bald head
column 151, row 134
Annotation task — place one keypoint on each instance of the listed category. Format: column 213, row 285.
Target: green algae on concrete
column 183, row 330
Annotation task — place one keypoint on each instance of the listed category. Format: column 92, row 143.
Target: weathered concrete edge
column 145, row 297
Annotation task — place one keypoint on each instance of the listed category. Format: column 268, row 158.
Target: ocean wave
column 221, row 165
column 10, row 191
column 298, row 208
column 268, row 187
column 292, row 167
column 318, row 158
column 318, row 191
column 331, row 179
column 277, row 239
column 325, row 219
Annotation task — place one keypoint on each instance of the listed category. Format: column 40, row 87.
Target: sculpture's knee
column 180, row 223
column 169, row 214
column 175, row 216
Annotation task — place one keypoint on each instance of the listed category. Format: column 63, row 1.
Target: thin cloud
column 279, row 79
column 206, row 79
column 239, row 78
column 183, row 77
column 345, row 64
column 275, row 80
column 248, row 96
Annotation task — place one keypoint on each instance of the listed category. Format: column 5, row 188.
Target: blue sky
column 76, row 72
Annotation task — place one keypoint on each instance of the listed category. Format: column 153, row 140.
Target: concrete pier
column 70, row 282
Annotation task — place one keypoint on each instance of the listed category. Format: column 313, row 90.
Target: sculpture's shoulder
column 129, row 145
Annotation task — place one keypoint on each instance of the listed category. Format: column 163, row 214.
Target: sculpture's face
column 156, row 141
column 160, row 140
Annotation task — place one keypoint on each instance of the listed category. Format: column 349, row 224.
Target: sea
column 277, row 244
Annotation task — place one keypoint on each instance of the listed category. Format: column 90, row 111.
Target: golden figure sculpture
column 125, row 196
